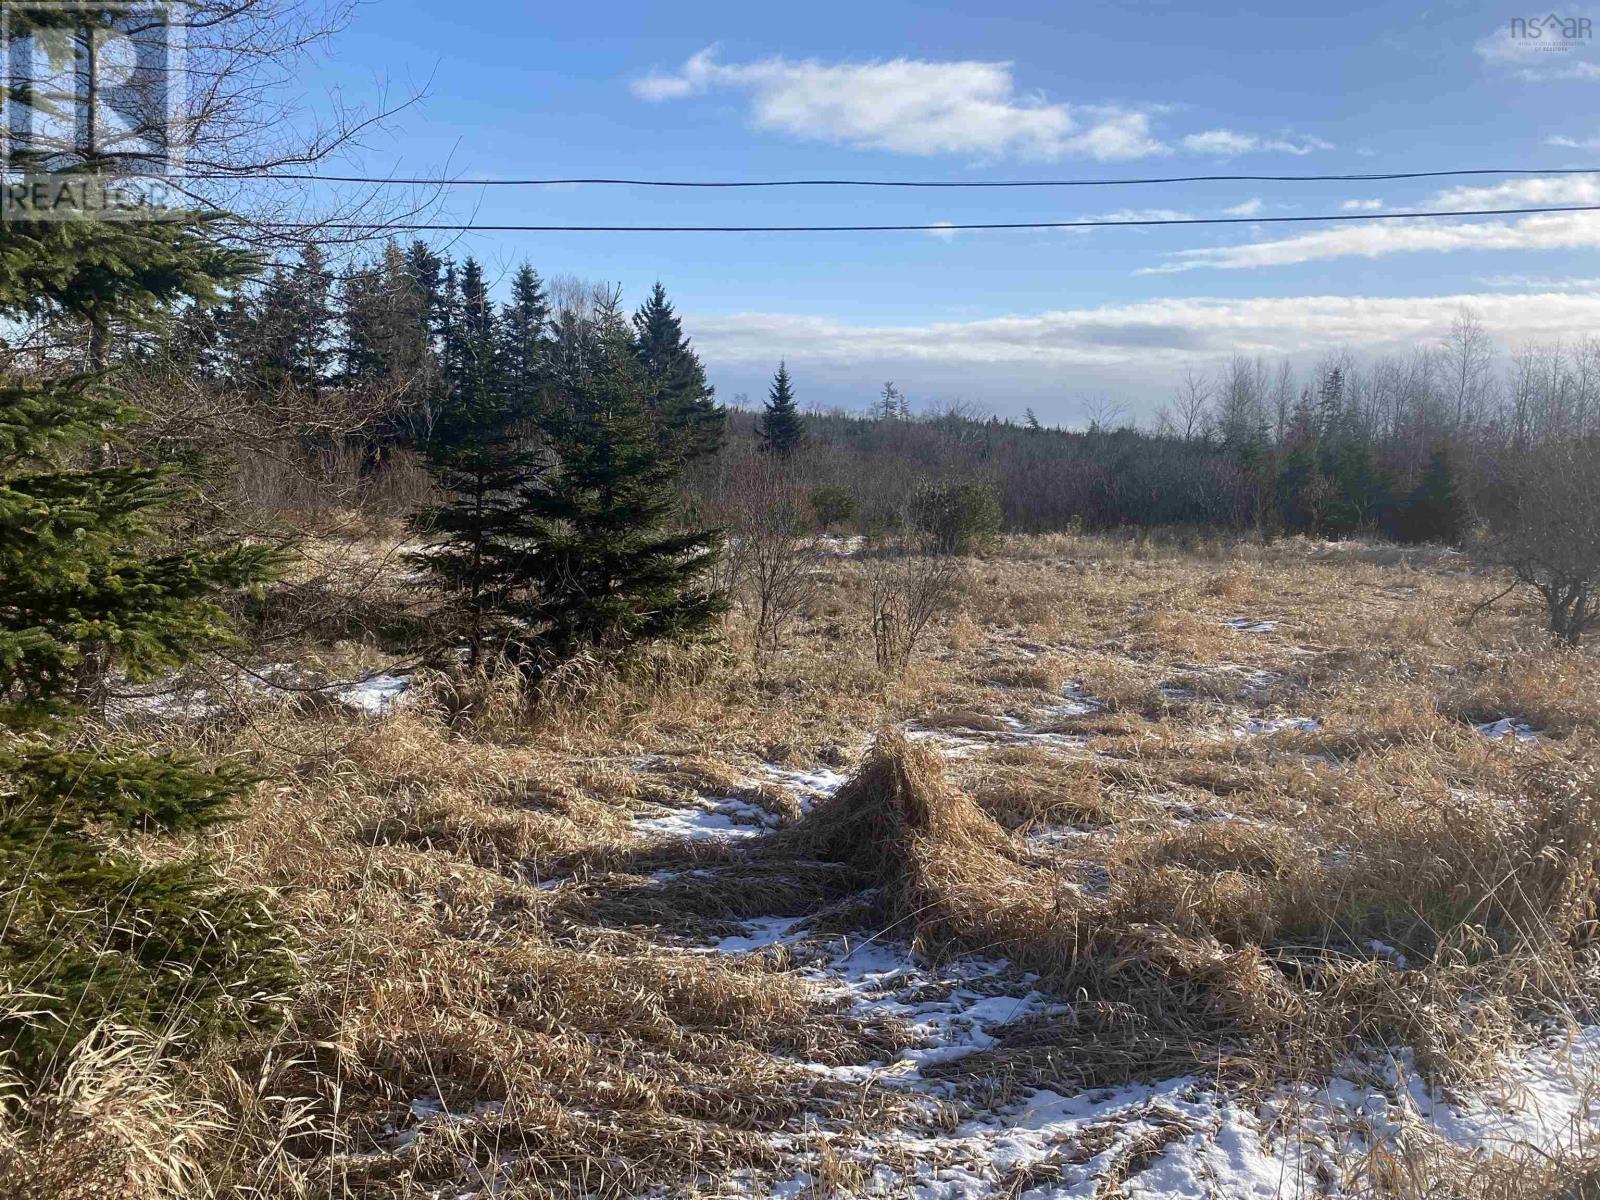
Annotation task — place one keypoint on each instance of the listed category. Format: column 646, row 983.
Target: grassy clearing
column 1237, row 855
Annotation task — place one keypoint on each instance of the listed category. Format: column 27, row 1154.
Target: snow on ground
column 809, row 785
column 1185, row 1138
column 961, row 743
column 431, row 1110
column 376, row 694
column 832, row 543
column 1196, row 1142
column 1261, row 726
column 727, row 817
column 1175, row 1139
column 759, row 934
column 709, row 818
column 1508, row 727
column 1251, row 625
column 172, row 698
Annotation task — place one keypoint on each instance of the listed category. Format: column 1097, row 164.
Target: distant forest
column 1415, row 448
column 320, row 383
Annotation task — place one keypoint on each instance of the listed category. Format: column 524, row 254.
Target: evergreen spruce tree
column 781, row 430
column 484, row 466
column 1363, row 489
column 1330, row 409
column 447, row 334
column 363, row 353
column 892, row 404
column 1436, row 511
column 675, row 381
column 525, row 337
column 426, row 272
column 287, row 335
column 92, row 931
column 383, row 312
column 605, row 570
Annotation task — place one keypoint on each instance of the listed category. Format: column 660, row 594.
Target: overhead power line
column 421, row 181
column 937, row 227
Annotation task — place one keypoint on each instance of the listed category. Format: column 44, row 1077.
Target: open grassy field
column 1204, row 871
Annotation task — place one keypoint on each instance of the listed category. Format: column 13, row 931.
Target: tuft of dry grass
column 114, row 1123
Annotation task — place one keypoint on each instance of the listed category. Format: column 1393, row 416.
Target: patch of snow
column 1251, row 625
column 709, row 819
column 1210, row 1143
column 376, row 694
column 171, row 704
column 952, row 745
column 761, row 933
column 1386, row 951
column 1052, row 837
column 949, row 1009
column 430, row 1108
column 1073, row 706
column 1260, row 726
column 832, row 543
column 173, row 698
column 1509, row 727
column 962, row 743
column 800, row 1185
column 812, row 785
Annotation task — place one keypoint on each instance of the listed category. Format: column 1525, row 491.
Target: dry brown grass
column 479, row 922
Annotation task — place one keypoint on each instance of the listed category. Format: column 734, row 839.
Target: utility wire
column 893, row 183
column 939, row 227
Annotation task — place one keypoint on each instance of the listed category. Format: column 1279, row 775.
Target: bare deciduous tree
column 1188, row 415
column 1104, row 412
column 1468, row 357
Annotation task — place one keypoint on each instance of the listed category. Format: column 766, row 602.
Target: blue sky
column 903, row 91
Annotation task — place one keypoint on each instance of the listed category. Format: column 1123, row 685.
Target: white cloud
column 1554, row 231
column 1225, row 143
column 1250, row 208
column 910, row 106
column 1547, row 231
column 1155, row 334
column 1139, row 214
column 945, row 231
column 1542, row 283
column 656, row 88
column 1573, row 143
column 1532, row 191
column 1577, row 69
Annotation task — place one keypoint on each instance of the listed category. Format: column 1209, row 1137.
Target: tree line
column 1426, row 447
column 359, row 364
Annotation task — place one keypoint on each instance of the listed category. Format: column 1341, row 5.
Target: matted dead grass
column 483, row 927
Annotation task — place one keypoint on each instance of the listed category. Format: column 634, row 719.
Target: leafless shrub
column 777, row 553
column 907, row 587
